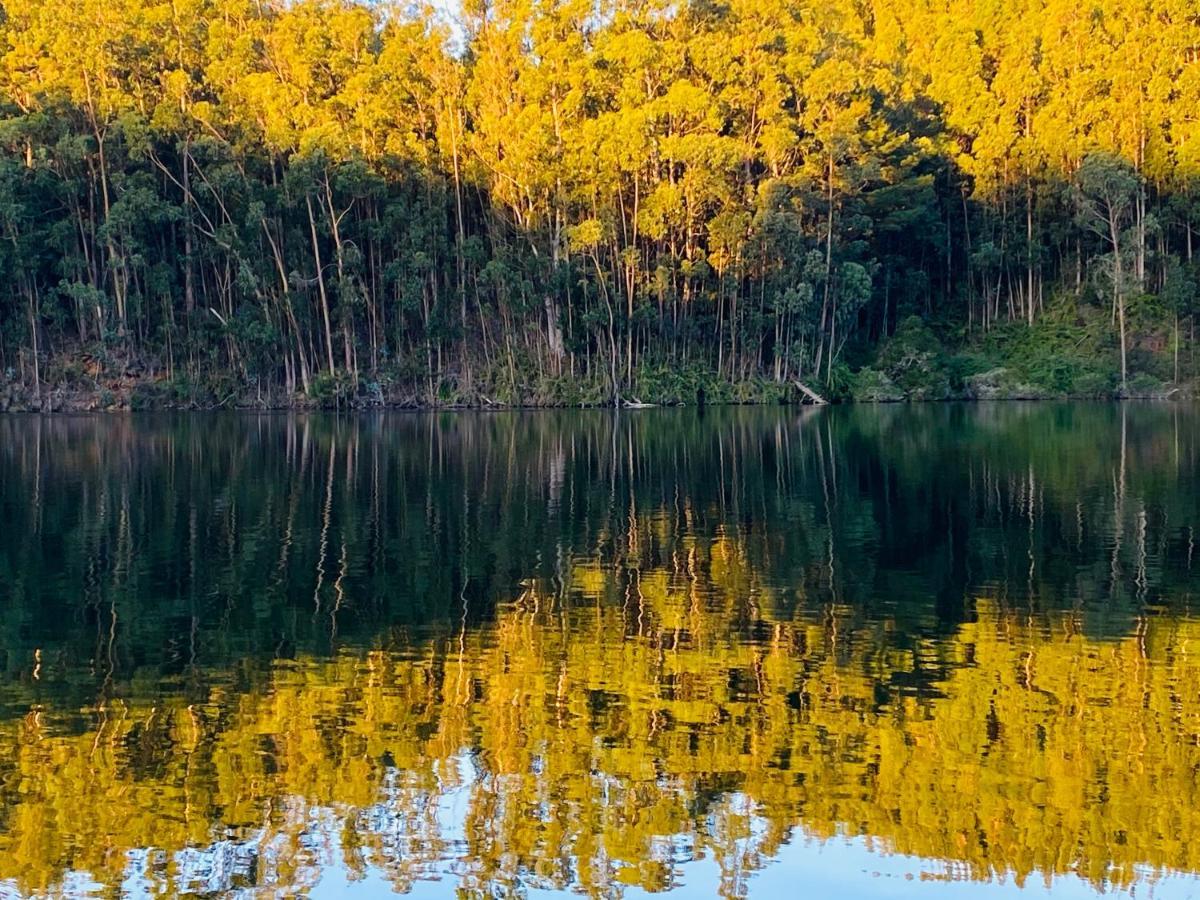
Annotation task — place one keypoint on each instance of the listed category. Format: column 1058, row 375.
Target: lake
column 902, row 651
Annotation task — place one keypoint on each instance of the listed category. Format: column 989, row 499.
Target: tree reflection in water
column 581, row 650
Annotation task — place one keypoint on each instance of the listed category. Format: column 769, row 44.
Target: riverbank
column 1048, row 361
column 134, row 394
column 129, row 388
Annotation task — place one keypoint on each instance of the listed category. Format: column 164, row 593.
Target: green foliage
column 872, row 386
column 328, row 388
column 1002, row 384
column 1059, row 358
column 1145, row 386
column 915, row 361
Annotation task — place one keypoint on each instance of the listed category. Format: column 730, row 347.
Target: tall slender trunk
column 312, row 226
column 829, row 298
column 114, row 258
column 1029, row 247
column 281, row 268
column 189, row 290
column 1119, row 292
column 335, row 220
column 33, row 331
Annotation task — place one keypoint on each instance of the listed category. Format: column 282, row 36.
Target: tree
column 1108, row 191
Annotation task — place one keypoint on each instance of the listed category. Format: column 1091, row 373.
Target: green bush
column 872, row 386
column 1002, row 384
column 1094, row 384
column 1145, row 386
column 326, row 388
column 915, row 361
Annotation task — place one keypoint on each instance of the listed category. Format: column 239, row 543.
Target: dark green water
column 877, row 651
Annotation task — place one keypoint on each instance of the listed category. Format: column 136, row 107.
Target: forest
column 327, row 202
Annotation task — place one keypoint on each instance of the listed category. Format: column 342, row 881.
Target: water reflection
column 587, row 652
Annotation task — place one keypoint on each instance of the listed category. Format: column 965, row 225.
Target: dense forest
column 259, row 202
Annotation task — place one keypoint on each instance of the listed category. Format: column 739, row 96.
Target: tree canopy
column 348, row 199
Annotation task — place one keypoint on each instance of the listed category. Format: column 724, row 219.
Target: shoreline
column 76, row 403
column 914, row 365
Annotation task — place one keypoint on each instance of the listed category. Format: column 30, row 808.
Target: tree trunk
column 312, row 225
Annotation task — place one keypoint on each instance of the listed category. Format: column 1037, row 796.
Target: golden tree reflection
column 602, row 733
column 580, row 652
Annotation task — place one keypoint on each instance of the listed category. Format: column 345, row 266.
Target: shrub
column 872, row 386
column 1002, row 384
column 915, row 361
column 1094, row 384
column 1145, row 386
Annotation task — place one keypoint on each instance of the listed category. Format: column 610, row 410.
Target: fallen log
column 812, row 395
column 635, row 403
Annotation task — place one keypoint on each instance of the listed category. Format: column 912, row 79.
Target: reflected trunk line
column 323, row 548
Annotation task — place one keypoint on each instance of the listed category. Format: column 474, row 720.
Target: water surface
column 898, row 651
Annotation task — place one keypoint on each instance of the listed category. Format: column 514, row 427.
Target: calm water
column 867, row 652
